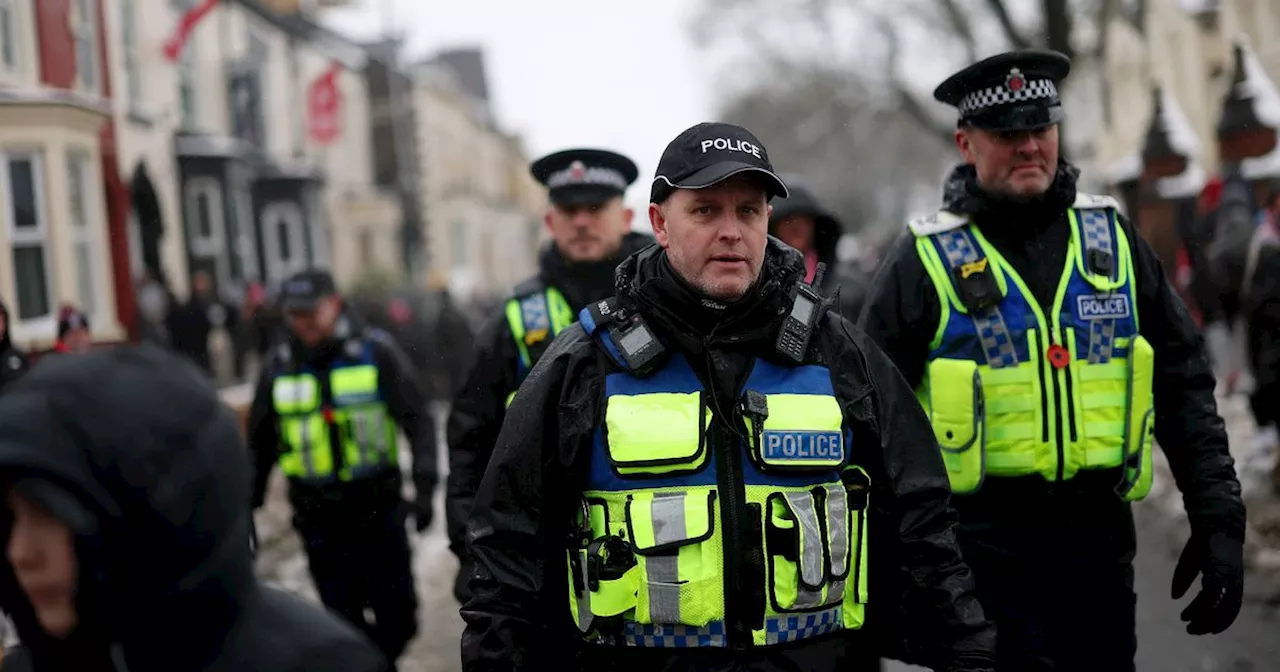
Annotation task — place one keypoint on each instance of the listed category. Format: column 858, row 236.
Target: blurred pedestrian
column 125, row 526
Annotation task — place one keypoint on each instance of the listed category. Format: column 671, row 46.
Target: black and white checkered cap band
column 594, row 175
column 982, row 99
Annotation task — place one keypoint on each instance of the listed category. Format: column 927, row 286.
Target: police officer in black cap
column 329, row 407
column 1015, row 312
column 803, row 222
column 590, row 229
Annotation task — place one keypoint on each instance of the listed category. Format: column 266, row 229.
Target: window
column 129, row 36
column 79, row 186
column 85, row 28
column 29, row 233
column 9, row 35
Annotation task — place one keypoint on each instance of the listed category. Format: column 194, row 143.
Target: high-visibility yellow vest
column 535, row 318
column 342, row 405
column 1014, row 392
column 682, row 500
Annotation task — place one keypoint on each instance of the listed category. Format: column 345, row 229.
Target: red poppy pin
column 1015, row 82
column 1059, row 357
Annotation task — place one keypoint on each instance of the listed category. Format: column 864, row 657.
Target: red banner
column 324, row 106
column 173, row 47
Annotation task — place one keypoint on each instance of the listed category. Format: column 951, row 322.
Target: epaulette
column 528, row 287
column 937, row 222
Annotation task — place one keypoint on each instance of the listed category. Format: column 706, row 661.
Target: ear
column 963, row 143
column 628, row 216
column 768, row 214
column 658, row 220
column 546, row 221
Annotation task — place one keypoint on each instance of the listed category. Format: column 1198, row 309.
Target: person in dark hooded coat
column 800, row 221
column 13, row 362
column 127, row 527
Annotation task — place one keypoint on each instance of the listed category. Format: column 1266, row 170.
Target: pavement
column 1251, row 645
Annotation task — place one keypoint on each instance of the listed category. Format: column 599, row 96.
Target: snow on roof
column 1187, row 185
column 1126, row 168
column 1258, row 86
column 1182, row 137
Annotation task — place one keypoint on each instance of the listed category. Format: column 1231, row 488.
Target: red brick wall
column 56, row 43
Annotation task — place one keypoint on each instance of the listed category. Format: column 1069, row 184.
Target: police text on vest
column 1102, row 307
column 725, row 144
column 803, row 446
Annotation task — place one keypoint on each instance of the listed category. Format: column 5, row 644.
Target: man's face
column 1017, row 164
column 41, row 550
column 796, row 231
column 589, row 232
column 715, row 237
column 201, row 284
column 78, row 340
column 313, row 327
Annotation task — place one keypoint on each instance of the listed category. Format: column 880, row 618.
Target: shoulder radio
column 806, row 307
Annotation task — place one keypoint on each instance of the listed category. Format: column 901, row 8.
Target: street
column 1251, row 645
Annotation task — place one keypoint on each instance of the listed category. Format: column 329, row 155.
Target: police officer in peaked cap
column 1049, row 352
column 702, row 470
column 590, row 230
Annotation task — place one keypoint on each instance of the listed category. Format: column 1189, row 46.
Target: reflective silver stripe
column 992, row 330
column 667, row 513
column 306, row 445
column 360, row 419
column 382, row 443
column 663, row 571
column 585, row 617
column 1095, row 234
column 810, row 561
column 837, row 539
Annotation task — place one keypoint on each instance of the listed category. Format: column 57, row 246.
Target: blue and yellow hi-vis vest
column 672, row 498
column 312, row 406
column 1014, row 392
column 536, row 314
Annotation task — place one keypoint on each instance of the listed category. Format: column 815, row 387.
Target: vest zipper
column 1071, row 399
column 1044, row 393
column 732, row 496
column 1057, row 408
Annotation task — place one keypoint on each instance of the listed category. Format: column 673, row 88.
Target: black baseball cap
column 303, row 290
column 584, row 176
column 709, row 154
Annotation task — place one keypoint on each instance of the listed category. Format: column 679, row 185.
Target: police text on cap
column 728, row 144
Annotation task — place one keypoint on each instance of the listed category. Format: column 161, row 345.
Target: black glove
column 1219, row 560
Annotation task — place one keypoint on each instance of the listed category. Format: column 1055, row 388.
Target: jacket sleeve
column 900, row 313
column 262, row 431
column 407, row 404
column 938, row 617
column 520, row 521
column 1263, row 315
column 1188, row 427
column 479, row 407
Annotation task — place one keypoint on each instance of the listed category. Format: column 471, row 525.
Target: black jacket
column 1261, row 304
column 13, row 362
column 1081, row 520
column 479, row 405
column 400, row 388
column 135, row 453
column 522, row 512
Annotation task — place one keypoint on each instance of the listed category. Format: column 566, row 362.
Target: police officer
column 801, row 221
column 327, row 408
column 685, row 480
column 590, row 231
column 1048, row 348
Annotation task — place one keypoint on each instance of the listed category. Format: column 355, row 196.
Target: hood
column 963, row 195
column 586, row 282
column 674, row 307
column 827, row 228
column 134, row 451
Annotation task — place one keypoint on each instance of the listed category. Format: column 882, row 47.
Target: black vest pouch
column 976, row 285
